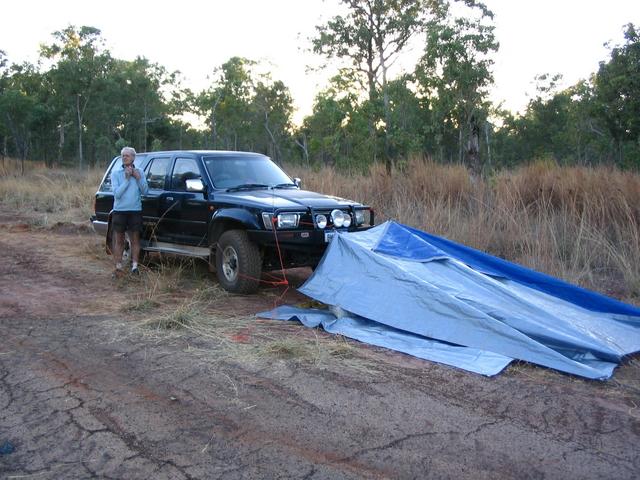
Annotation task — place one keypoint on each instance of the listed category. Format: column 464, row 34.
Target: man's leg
column 118, row 248
column 134, row 238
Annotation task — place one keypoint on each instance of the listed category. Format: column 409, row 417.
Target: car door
column 187, row 213
column 152, row 209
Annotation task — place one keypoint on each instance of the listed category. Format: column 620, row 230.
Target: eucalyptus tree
column 23, row 108
column 369, row 37
column 409, row 115
column 80, row 64
column 144, row 91
column 330, row 142
column 227, row 103
column 593, row 121
column 455, row 73
column 247, row 110
column 4, row 80
column 617, row 93
column 273, row 107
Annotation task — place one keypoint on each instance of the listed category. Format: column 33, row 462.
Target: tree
column 325, row 127
column 23, row 111
column 227, row 102
column 455, row 73
column 79, row 71
column 246, row 110
column 592, row 121
column 273, row 106
column 617, row 92
column 140, row 107
column 408, row 114
column 370, row 36
column 4, row 80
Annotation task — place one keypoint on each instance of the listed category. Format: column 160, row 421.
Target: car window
column 157, row 172
column 184, row 169
column 230, row 171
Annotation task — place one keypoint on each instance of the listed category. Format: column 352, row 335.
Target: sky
column 196, row 36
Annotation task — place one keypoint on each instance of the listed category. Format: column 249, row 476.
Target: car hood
column 282, row 198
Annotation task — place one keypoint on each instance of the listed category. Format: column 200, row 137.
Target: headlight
column 267, row 220
column 321, row 221
column 288, row 220
column 337, row 217
column 359, row 217
column 347, row 220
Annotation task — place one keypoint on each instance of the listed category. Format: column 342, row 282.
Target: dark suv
column 238, row 210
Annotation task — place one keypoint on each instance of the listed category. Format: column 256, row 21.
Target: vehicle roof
column 204, row 152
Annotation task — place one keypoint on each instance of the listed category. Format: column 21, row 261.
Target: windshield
column 237, row 171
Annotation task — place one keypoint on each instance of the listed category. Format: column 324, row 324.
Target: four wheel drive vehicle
column 238, row 210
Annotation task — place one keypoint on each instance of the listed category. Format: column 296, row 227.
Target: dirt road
column 92, row 386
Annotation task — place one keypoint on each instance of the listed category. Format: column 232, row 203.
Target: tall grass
column 577, row 223
column 48, row 195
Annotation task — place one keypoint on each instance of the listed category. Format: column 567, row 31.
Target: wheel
column 238, row 262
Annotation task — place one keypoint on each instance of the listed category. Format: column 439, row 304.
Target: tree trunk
column 473, row 147
column 144, row 130
column 486, row 136
column 214, row 131
column 80, row 152
column 60, row 142
column 273, row 140
column 388, row 160
column 23, row 155
column 214, row 126
column 371, row 79
column 19, row 140
column 305, row 148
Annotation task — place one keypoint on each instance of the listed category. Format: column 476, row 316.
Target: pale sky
column 196, row 36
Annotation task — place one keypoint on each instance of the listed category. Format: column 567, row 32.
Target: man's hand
column 136, row 173
column 128, row 171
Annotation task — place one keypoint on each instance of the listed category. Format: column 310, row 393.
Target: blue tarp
column 429, row 288
column 374, row 333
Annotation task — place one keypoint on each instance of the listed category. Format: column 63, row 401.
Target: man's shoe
column 135, row 271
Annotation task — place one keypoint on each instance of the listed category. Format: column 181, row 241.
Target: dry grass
column 580, row 224
column 48, row 196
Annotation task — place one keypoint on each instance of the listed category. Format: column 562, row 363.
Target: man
column 129, row 184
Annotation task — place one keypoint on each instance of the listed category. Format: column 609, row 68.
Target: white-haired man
column 129, row 184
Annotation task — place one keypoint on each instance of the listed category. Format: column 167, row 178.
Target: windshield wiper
column 285, row 185
column 247, row 186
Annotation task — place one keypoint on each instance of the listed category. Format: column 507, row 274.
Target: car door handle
column 169, row 199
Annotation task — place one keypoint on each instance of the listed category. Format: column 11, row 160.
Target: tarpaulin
column 374, row 333
column 432, row 288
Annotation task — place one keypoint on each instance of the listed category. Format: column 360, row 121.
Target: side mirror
column 297, row 181
column 195, row 185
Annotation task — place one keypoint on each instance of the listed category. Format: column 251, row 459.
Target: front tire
column 238, row 262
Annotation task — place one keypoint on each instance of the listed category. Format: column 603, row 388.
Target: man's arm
column 119, row 183
column 142, row 182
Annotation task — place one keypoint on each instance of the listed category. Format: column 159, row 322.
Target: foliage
column 617, row 93
column 455, row 74
column 247, row 111
column 370, row 36
column 80, row 105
